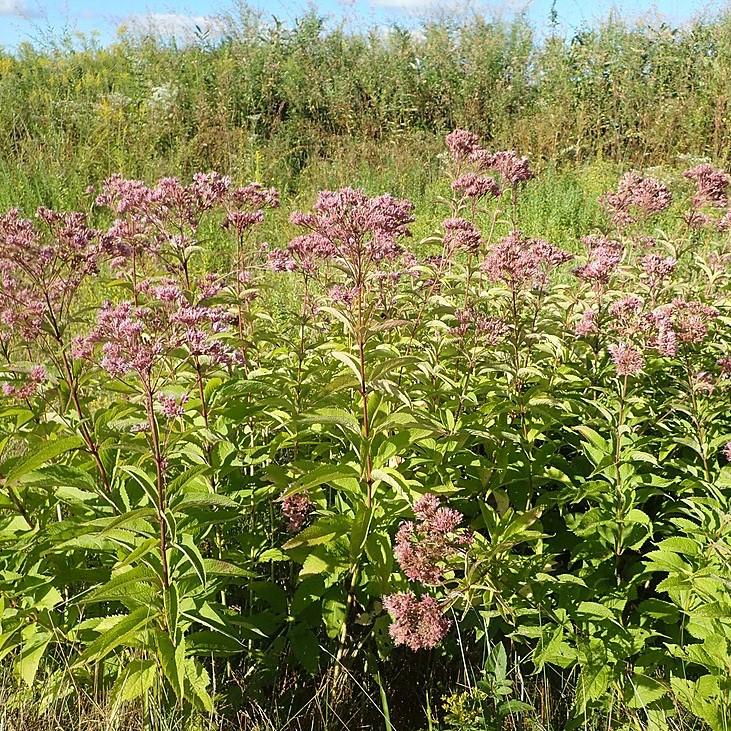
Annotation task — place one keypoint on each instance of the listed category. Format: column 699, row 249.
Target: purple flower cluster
column 518, row 261
column 626, row 314
column 155, row 220
column 627, row 359
column 711, row 186
column 297, row 509
column 417, row 623
column 587, row 324
column 512, row 167
column 489, row 330
column 657, row 269
column 636, row 196
column 136, row 338
column 680, row 321
column 464, row 149
column 171, row 407
column 350, row 228
column 603, row 258
column 461, row 144
column 423, row 547
column 475, row 186
column 42, row 264
column 460, row 235
column 29, row 387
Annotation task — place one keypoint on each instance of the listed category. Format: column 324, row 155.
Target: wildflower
column 472, row 185
column 353, row 229
column 636, row 195
column 626, row 313
column 518, row 260
column 417, row 623
column 513, row 168
column 724, row 364
column 461, row 144
column 711, row 185
column 657, row 268
column 724, row 224
column 727, row 451
column 423, row 547
column 136, row 338
column 28, row 388
column 297, row 509
column 587, row 323
column 172, row 408
column 696, row 219
column 42, row 264
column 627, row 360
column 344, row 295
column 460, row 235
column 680, row 321
column 603, row 259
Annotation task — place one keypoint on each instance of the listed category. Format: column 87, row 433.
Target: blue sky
column 37, row 20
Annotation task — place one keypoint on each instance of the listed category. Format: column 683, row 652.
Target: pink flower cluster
column 349, row 227
column 711, row 186
column 464, row 147
column 168, row 214
column 657, row 269
column 627, row 359
column 28, row 388
column 604, row 256
column 587, row 324
column 42, row 264
column 460, row 235
column 636, row 196
column 423, row 547
column 417, row 623
column 518, row 260
column 680, row 321
column 488, row 329
column 626, row 314
column 136, row 338
column 297, row 509
column 172, row 408
column 475, row 186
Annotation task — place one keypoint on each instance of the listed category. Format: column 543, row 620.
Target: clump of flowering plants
column 438, row 444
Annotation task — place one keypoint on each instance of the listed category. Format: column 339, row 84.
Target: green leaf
column 198, row 681
column 30, row 656
column 115, row 588
column 172, row 660
column 137, row 677
column 193, row 554
column 41, row 456
column 321, row 532
column 128, row 628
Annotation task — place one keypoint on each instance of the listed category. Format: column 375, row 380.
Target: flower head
column 417, row 623
column 711, row 185
column 627, row 360
column 635, row 196
column 297, row 509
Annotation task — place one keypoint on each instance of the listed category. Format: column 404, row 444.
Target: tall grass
column 283, row 103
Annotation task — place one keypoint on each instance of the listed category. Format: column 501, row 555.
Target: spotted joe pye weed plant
column 468, row 444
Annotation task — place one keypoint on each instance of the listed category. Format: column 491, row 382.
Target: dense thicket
column 267, row 95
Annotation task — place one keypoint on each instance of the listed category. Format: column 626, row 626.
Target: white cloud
column 14, row 8
column 406, row 4
column 173, row 25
